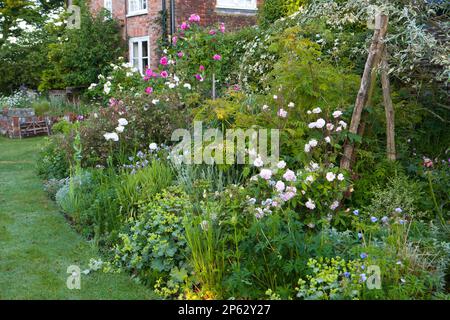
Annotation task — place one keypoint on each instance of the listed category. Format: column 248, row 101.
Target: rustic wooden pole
column 376, row 48
column 214, row 86
column 389, row 108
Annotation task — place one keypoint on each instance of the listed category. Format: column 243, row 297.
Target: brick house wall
column 149, row 24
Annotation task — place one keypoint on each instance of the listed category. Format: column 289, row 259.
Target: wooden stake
column 389, row 109
column 376, row 48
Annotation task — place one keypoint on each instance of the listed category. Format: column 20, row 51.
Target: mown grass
column 36, row 242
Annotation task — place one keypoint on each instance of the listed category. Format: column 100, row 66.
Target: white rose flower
column 330, row 176
column 258, row 162
column 281, row 164
column 153, row 146
column 312, row 142
column 123, row 122
column 320, row 123
column 120, row 129
column 337, row 114
column 111, row 136
column 310, row 204
column 316, row 110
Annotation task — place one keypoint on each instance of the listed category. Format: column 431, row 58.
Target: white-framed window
column 136, row 7
column 107, row 4
column 140, row 53
column 237, row 4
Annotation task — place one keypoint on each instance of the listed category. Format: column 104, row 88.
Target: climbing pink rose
column 180, row 54
column 148, row 90
column 164, row 61
column 184, row 26
column 164, row 74
column 194, row 18
column 202, row 68
column 217, row 57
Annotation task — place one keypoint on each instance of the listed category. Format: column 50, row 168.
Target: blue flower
column 398, row 210
column 401, row 221
column 374, row 219
column 363, row 277
column 360, row 235
column 363, row 255
column 347, row 274
column 384, row 219
column 356, row 212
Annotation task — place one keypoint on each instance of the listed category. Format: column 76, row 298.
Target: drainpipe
column 125, row 20
column 172, row 18
column 164, row 21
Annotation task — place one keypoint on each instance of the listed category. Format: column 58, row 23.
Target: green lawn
column 37, row 244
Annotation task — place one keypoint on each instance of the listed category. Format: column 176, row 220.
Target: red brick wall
column 149, row 25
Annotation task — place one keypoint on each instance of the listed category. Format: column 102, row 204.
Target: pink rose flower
column 174, row 40
column 148, row 90
column 180, row 54
column 194, row 18
column 164, row 74
column 184, row 26
column 164, row 61
column 212, row 32
column 199, row 77
column 217, row 57
column 202, row 68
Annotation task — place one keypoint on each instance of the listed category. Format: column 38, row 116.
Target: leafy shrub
column 18, row 99
column 273, row 10
column 153, row 243
column 399, row 192
column 141, row 186
column 332, row 279
column 52, row 186
column 63, row 127
column 53, row 161
column 41, row 107
column 84, row 54
column 147, row 123
column 75, row 198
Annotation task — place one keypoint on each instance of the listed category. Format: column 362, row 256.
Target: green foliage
column 13, row 12
column 28, row 53
column 142, row 186
column 398, row 192
column 75, row 198
column 153, row 243
column 331, row 279
column 63, row 127
column 53, row 161
column 273, row 10
column 18, row 99
column 83, row 53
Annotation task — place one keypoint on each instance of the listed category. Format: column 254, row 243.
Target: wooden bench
column 33, row 128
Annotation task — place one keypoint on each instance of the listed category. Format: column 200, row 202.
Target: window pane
column 144, row 48
column 145, row 63
column 135, row 50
